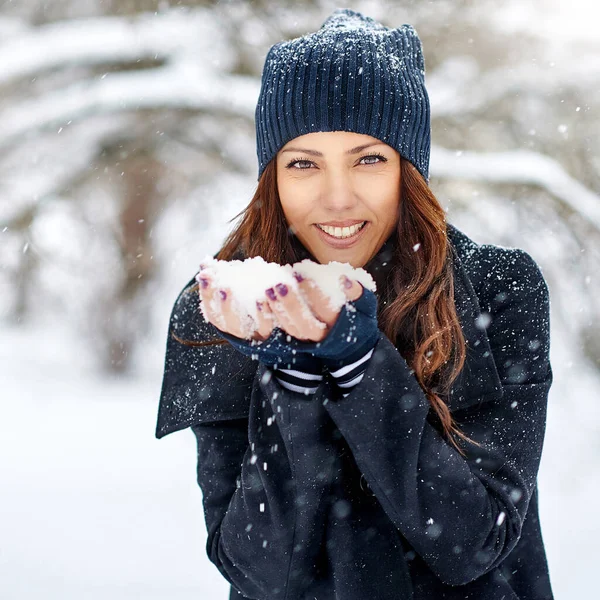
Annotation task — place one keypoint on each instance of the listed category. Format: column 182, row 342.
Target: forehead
column 322, row 140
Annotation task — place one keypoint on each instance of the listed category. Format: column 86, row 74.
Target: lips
column 341, row 243
column 341, row 231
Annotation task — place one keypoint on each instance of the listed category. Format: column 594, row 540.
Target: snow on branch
column 110, row 40
column 182, row 85
column 518, row 167
column 11, row 26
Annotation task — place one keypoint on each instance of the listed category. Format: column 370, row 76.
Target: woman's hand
column 218, row 307
column 306, row 315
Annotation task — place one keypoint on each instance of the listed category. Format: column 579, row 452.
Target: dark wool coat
column 323, row 497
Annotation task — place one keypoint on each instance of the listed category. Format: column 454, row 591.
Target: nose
column 338, row 194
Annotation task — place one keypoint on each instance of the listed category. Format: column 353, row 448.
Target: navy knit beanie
column 353, row 74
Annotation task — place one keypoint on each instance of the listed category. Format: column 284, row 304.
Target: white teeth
column 342, row 232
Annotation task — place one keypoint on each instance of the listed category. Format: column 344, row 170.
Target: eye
column 294, row 161
column 380, row 158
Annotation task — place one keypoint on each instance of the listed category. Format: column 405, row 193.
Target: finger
column 206, row 292
column 265, row 321
column 294, row 315
column 352, row 288
column 317, row 300
column 214, row 307
column 218, row 308
column 236, row 321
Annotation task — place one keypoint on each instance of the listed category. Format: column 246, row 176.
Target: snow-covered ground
column 93, row 506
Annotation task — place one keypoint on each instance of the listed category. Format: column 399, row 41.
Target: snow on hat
column 353, row 74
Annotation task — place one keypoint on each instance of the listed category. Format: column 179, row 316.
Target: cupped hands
column 304, row 313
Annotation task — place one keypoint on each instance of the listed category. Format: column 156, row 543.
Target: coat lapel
column 479, row 379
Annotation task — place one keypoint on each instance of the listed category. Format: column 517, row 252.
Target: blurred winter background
column 127, row 144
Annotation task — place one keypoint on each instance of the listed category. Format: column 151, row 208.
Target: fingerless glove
column 344, row 353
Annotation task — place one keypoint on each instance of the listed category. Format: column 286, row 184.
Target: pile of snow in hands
column 247, row 280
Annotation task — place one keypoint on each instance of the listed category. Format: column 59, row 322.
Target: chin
column 355, row 259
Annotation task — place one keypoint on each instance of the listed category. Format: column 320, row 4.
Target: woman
column 392, row 452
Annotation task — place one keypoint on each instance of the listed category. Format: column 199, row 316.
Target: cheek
column 296, row 205
column 392, row 204
column 384, row 203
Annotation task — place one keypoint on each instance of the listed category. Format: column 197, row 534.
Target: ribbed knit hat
column 353, row 74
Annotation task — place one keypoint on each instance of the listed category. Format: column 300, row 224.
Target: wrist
column 355, row 332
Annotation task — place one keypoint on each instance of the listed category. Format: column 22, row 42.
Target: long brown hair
column 418, row 315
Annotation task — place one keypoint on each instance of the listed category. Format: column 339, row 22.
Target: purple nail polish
column 203, row 282
column 298, row 277
column 282, row 289
column 347, row 283
column 223, row 294
column 271, row 294
column 259, row 306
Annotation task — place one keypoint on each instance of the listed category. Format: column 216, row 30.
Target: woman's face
column 340, row 193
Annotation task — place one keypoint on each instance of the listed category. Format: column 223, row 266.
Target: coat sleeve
column 195, row 375
column 263, row 482
column 462, row 515
column 264, row 458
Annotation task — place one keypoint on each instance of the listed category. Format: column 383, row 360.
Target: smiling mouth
column 341, row 233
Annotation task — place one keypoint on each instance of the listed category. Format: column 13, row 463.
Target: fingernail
column 347, row 283
column 282, row 289
column 203, row 282
column 298, row 277
column 223, row 294
column 259, row 305
column 271, row 294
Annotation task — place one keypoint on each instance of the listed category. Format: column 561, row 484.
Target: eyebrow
column 351, row 151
